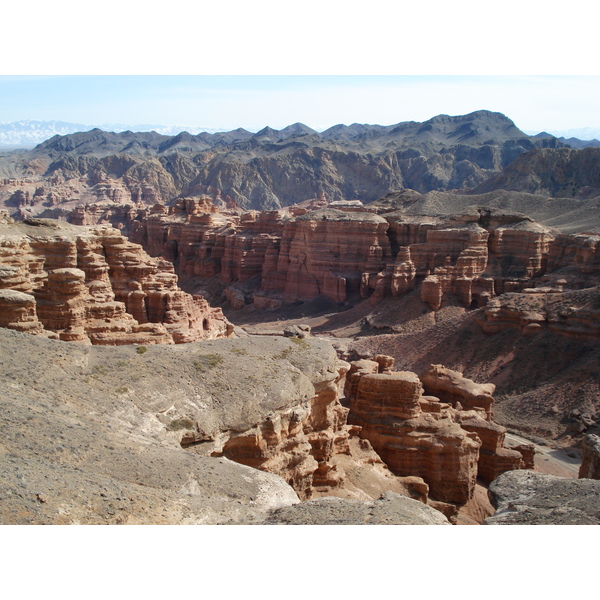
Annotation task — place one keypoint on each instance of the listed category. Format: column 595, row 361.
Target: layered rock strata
column 432, row 436
column 450, row 386
column 328, row 252
column 574, row 314
column 94, row 435
column 309, row 444
column 92, row 285
column 274, row 257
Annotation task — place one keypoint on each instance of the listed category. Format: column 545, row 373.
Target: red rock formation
column 17, row 311
column 572, row 313
column 494, row 458
column 327, row 252
column 581, row 251
column 472, row 257
column 450, row 386
column 411, row 442
column 313, row 448
column 415, row 434
column 93, row 285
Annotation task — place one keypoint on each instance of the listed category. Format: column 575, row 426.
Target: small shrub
column 177, row 424
column 206, row 362
column 300, row 343
column 141, row 349
column 239, row 351
column 285, row 354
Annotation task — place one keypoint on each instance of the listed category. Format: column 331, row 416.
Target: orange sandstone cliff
column 90, row 284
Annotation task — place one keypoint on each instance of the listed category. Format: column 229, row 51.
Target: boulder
column 530, row 498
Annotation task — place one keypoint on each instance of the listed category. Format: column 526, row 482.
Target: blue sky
column 534, row 103
column 252, row 64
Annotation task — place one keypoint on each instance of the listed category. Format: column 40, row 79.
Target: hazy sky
column 534, row 103
column 321, row 62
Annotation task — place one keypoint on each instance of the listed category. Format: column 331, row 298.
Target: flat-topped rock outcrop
column 90, row 284
column 439, row 427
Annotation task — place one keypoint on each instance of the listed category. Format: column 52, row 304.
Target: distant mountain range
column 473, row 155
column 28, row 133
column 274, row 168
column 582, row 133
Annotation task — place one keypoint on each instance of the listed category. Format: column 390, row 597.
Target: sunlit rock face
column 90, row 284
column 439, row 427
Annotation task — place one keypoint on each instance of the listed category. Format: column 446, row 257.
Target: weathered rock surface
column 529, row 498
column 590, row 460
column 390, row 509
column 272, row 258
column 92, row 285
column 573, row 314
column 94, row 435
column 83, row 443
column 450, row 386
column 428, row 436
column 327, row 252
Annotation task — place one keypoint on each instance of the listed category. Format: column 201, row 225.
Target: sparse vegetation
column 206, row 362
column 284, row 355
column 239, row 351
column 182, row 423
column 300, row 343
column 141, row 349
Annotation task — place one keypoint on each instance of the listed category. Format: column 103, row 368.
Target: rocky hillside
column 266, row 170
column 486, row 291
column 558, row 172
column 94, row 435
column 569, row 215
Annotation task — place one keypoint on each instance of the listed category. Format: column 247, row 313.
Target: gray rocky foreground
column 91, row 435
column 529, row 498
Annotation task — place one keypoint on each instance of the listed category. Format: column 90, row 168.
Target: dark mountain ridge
column 560, row 173
column 477, row 128
column 275, row 168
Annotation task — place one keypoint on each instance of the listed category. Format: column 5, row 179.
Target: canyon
column 323, row 359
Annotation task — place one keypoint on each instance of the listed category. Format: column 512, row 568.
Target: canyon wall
column 90, row 284
column 590, row 464
column 471, row 259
